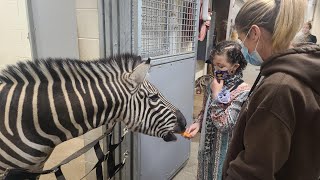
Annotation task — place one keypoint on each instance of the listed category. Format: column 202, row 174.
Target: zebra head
column 148, row 111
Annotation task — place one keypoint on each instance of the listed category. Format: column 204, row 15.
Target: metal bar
column 125, row 28
column 139, row 21
column 108, row 27
column 101, row 19
column 115, row 25
column 31, row 34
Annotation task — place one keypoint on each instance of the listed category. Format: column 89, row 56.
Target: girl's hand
column 216, row 87
column 193, row 129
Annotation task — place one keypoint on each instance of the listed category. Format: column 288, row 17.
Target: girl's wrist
column 196, row 121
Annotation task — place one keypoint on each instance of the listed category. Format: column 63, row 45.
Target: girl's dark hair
column 232, row 50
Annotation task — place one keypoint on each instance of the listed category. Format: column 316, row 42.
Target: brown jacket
column 278, row 131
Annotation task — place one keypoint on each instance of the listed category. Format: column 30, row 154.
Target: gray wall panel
column 161, row 160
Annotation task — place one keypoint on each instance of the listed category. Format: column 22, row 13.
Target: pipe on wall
column 205, row 8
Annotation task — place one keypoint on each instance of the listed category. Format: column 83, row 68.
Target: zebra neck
column 92, row 97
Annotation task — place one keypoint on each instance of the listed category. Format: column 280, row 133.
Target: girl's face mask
column 220, row 74
column 223, row 70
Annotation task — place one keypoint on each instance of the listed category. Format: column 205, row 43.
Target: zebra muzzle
column 181, row 122
column 170, row 137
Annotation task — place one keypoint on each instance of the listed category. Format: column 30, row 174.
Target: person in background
column 306, row 30
column 221, row 105
column 203, row 24
column 277, row 132
column 305, row 35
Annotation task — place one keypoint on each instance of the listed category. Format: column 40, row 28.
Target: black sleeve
column 314, row 39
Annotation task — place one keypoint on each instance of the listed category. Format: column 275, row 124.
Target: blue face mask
column 253, row 58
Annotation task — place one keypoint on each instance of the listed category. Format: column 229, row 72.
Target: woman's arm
column 267, row 147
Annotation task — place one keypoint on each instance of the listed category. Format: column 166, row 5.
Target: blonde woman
column 277, row 134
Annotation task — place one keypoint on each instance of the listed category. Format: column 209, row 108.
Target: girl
column 222, row 103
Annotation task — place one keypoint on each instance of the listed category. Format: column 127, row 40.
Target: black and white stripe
column 46, row 102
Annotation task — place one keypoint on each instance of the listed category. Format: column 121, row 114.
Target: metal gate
column 166, row 27
column 164, row 30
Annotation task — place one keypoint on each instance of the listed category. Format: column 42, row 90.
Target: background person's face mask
column 253, row 58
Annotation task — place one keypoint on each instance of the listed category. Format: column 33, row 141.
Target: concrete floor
column 189, row 172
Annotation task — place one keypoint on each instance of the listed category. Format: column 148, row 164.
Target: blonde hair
column 282, row 18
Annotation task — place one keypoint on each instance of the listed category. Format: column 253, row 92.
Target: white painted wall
column 14, row 42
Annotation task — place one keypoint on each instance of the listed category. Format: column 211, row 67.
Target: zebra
column 48, row 101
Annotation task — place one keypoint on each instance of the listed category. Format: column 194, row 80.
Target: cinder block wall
column 88, row 28
column 89, row 49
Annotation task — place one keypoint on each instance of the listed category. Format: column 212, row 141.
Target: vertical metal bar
column 101, row 19
column 102, row 50
column 108, row 39
column 139, row 37
column 125, row 45
column 115, row 25
column 108, row 27
column 135, row 144
column 134, row 139
column 125, row 28
column 31, row 34
column 196, row 35
column 115, row 45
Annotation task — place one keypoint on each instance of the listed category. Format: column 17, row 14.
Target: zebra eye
column 154, row 97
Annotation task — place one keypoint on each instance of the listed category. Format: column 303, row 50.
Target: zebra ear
column 139, row 73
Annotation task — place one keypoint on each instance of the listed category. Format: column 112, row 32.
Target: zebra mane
column 27, row 69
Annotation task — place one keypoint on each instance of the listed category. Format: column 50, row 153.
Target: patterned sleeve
column 224, row 116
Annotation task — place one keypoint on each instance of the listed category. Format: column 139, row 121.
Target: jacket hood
column 302, row 62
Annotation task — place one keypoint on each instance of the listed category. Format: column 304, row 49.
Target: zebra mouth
column 170, row 137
